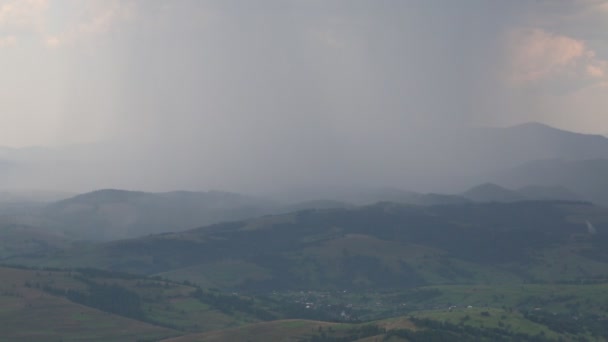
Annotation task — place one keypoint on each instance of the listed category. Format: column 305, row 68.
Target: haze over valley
column 310, row 171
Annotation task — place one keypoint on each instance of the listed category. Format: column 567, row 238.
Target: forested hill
column 380, row 246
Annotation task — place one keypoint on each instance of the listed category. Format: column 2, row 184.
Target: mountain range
column 385, row 245
column 451, row 163
column 112, row 214
column 519, row 256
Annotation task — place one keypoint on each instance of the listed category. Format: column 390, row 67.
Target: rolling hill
column 31, row 313
column 382, row 246
column 111, row 214
column 505, row 271
column 96, row 305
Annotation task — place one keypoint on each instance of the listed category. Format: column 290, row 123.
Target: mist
column 266, row 96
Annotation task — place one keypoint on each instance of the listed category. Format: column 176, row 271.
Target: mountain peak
column 104, row 196
column 538, row 126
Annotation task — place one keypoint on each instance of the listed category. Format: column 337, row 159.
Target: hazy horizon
column 262, row 96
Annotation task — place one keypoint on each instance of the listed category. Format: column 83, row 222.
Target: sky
column 230, row 94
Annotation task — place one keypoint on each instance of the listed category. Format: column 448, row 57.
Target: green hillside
column 30, row 312
column 521, row 271
column 95, row 305
column 383, row 246
column 19, row 239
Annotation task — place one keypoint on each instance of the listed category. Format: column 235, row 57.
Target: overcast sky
column 306, row 87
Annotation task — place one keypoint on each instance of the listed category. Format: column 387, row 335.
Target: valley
column 303, row 171
column 522, row 270
column 130, row 307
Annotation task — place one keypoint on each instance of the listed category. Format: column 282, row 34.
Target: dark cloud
column 269, row 94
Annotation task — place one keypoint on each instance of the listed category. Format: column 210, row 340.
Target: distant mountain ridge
column 453, row 160
column 490, row 192
column 485, row 153
column 533, row 141
column 543, row 162
column 513, row 159
column 588, row 178
column 112, row 213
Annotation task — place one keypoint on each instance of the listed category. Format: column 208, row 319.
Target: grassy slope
column 490, row 319
column 30, row 311
column 30, row 314
column 501, row 288
column 285, row 330
column 291, row 330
